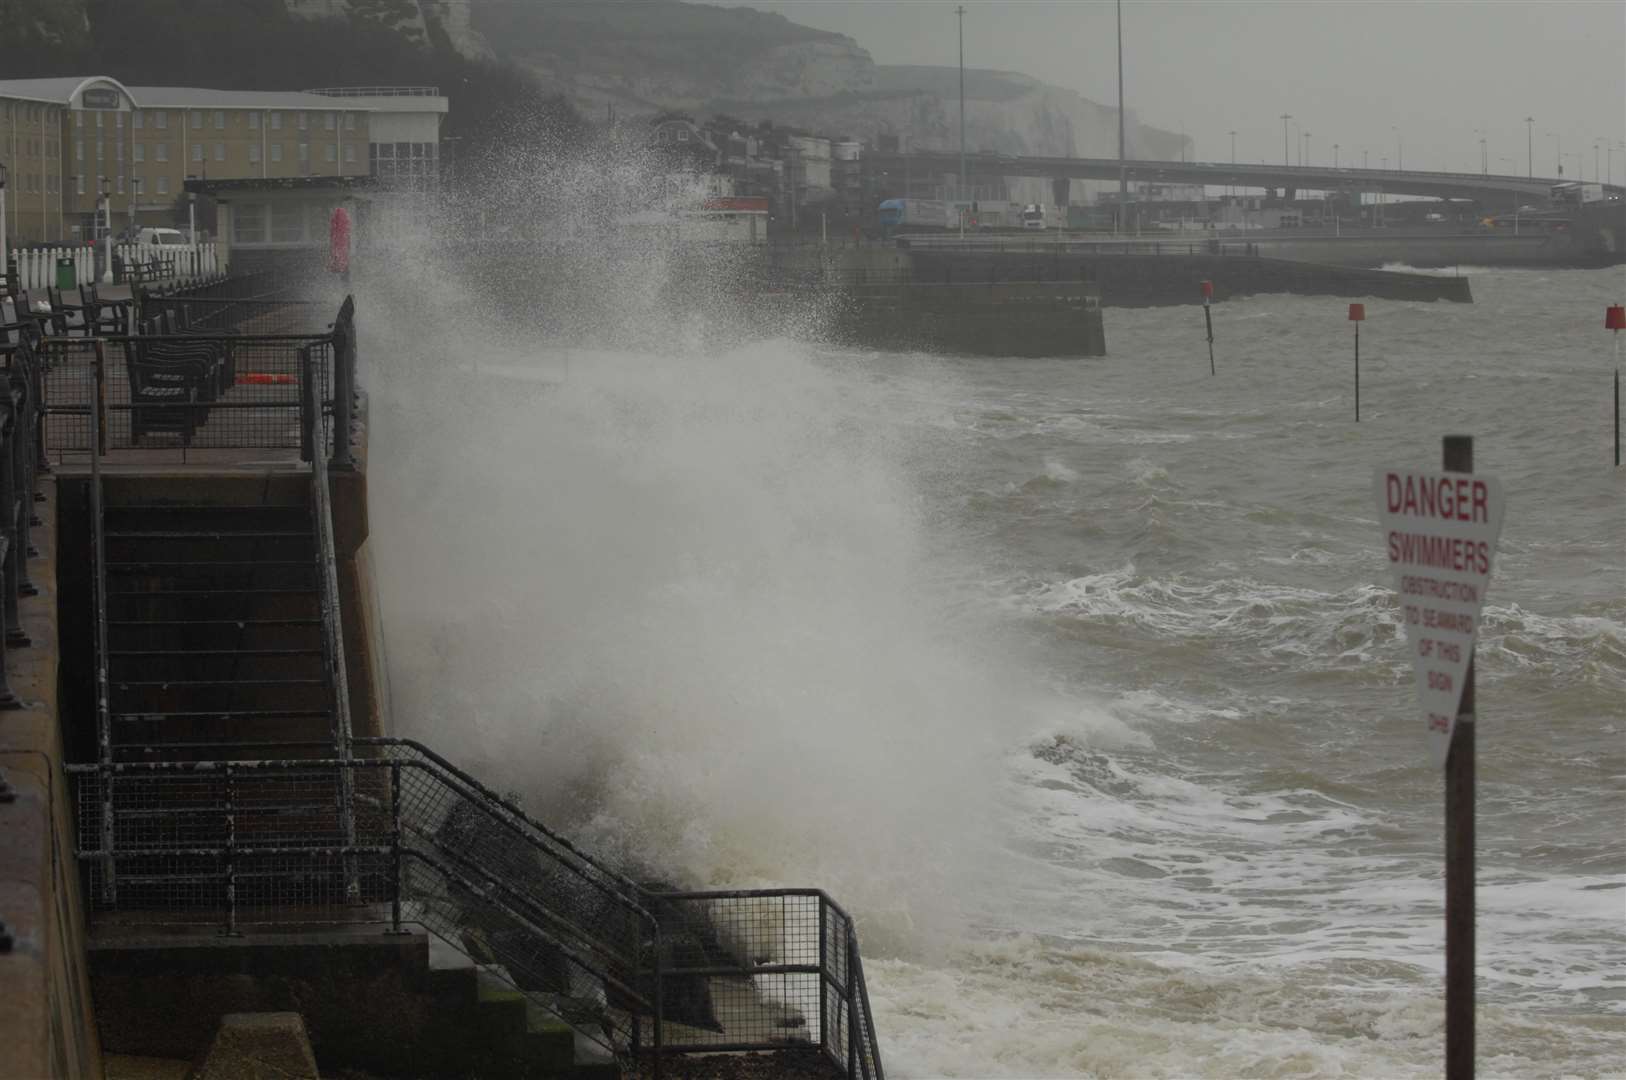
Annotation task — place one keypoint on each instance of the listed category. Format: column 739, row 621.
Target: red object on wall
column 338, row 241
column 1357, row 313
column 1208, row 289
column 1615, row 317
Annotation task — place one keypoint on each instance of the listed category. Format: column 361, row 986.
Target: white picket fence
column 36, row 267
column 182, row 263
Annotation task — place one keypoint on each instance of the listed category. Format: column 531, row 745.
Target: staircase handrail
column 104, row 693
column 626, row 890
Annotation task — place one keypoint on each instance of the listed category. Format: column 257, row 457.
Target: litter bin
column 67, row 275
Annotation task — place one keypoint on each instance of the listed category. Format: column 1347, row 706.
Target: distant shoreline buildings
column 68, row 142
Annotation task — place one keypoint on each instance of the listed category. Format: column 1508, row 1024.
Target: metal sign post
column 1613, row 319
column 1440, row 533
column 1208, row 319
column 1357, row 315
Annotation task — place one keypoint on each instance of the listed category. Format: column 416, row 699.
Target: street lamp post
column 1400, row 150
column 1597, row 149
column 1335, row 155
column 1530, row 145
column 1231, row 189
column 960, row 14
column 1304, row 152
column 5, row 252
column 1285, row 118
column 1123, row 172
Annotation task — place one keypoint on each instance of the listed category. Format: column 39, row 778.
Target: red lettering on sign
column 1453, row 498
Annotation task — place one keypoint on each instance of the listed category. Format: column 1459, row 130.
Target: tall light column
column 1530, row 144
column 1335, row 155
column 960, row 13
column 1285, row 118
column 5, row 252
column 1123, row 171
column 1231, row 189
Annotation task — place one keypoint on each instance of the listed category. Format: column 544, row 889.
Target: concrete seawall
column 47, row 1025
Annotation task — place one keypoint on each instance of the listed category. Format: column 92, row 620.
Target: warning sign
column 1440, row 532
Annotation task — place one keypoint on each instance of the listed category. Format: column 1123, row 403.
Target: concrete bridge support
column 1061, row 189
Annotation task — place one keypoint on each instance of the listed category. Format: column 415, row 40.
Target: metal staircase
column 228, row 790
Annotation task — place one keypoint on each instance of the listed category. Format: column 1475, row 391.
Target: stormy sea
column 1080, row 683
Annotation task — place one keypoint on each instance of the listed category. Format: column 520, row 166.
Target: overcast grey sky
column 1367, row 74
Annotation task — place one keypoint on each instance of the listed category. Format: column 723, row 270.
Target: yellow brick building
column 66, row 140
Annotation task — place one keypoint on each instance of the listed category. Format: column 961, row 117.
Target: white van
column 161, row 237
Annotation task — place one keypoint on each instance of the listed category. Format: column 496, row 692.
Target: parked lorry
column 1576, row 193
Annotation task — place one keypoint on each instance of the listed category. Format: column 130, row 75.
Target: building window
column 162, row 119
column 78, row 119
column 118, row 121
column 276, row 121
column 304, row 151
column 197, row 121
column 99, row 118
column 163, row 185
column 254, row 121
column 220, row 119
column 78, row 149
column 137, row 121
column 163, row 151
column 287, row 223
column 350, row 153
column 220, row 151
column 330, row 120
column 253, row 153
column 101, row 150
column 349, row 121
column 276, row 151
column 79, row 183
column 138, row 152
column 303, row 120
column 121, row 184
column 197, row 151
column 248, row 224
column 138, row 185
column 118, row 151
column 330, row 153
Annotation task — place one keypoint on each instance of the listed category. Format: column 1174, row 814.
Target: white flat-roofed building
column 404, row 131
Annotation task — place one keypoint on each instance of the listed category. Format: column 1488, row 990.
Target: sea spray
column 681, row 601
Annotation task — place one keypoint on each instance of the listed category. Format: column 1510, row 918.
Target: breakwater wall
column 1023, row 319
column 1151, row 280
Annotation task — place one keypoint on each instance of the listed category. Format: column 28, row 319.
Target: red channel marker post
column 1615, row 319
column 1357, row 315
column 1208, row 319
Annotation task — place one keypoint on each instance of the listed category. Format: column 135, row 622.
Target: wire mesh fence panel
column 182, row 393
column 740, row 970
column 836, row 929
column 70, row 392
